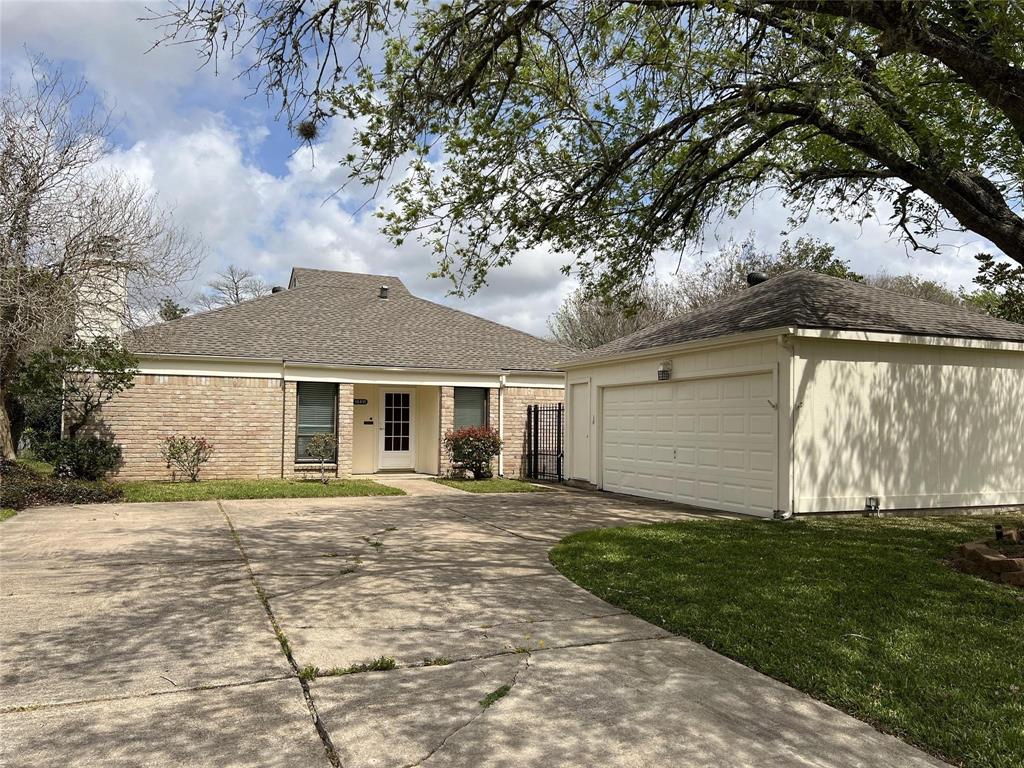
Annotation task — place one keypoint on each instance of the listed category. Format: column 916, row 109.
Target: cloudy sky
column 232, row 173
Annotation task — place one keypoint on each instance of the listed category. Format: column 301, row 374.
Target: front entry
column 397, row 449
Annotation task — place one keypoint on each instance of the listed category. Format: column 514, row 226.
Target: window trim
column 299, row 433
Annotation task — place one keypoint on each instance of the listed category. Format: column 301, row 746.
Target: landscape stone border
column 978, row 558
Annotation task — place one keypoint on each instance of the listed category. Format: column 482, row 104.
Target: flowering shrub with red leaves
column 187, row 453
column 472, row 448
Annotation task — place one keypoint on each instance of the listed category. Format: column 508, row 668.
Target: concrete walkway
column 145, row 635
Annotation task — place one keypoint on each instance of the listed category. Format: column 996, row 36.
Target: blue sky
column 232, row 173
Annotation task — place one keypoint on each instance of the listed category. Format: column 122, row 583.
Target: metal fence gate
column 544, row 444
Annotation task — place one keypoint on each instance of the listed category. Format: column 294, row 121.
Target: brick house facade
column 251, row 423
column 241, row 375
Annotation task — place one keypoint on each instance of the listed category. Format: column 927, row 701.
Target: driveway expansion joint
column 321, row 729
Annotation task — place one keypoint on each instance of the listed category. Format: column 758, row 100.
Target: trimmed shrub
column 321, row 447
column 472, row 449
column 187, row 453
column 22, row 487
column 91, row 458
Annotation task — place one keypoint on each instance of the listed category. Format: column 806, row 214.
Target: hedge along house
column 805, row 393
column 353, row 355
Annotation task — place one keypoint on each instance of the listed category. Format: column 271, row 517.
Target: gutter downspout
column 284, row 408
column 501, row 424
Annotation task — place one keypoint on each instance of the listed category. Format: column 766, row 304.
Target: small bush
column 90, row 458
column 321, row 447
column 473, row 448
column 22, row 487
column 187, row 453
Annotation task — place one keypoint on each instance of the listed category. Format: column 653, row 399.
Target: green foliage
column 726, row 274
column 6, row 513
column 380, row 664
column 492, row 485
column 611, row 130
column 82, row 376
column 918, row 287
column 585, row 320
column 22, row 487
column 472, row 449
column 322, row 447
column 187, row 453
column 90, row 458
column 171, row 310
column 148, row 491
column 860, row 613
column 1002, row 289
column 495, row 696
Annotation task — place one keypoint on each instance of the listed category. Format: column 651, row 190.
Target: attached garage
column 707, row 442
column 806, row 394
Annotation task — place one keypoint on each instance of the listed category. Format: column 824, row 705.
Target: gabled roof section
column 802, row 299
column 338, row 318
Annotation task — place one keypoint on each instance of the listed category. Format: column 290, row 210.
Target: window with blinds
column 470, row 407
column 317, row 414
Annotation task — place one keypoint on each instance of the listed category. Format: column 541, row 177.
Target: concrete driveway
column 145, row 635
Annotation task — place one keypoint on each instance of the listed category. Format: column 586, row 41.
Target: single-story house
column 354, row 355
column 805, row 393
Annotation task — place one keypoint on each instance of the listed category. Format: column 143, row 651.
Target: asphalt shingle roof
column 804, row 299
column 338, row 318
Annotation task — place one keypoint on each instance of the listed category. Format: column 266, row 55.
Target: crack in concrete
column 499, row 528
column 141, row 695
column 321, row 729
column 520, row 669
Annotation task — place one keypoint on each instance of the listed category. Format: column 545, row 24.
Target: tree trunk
column 6, row 437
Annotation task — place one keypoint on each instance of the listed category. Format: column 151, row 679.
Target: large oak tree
column 609, row 130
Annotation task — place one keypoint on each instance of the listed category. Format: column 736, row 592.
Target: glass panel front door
column 396, row 431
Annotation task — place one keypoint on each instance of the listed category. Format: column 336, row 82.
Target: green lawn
column 492, row 485
column 858, row 612
column 6, row 514
column 251, row 489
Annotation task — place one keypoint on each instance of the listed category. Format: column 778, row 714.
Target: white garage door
column 707, row 442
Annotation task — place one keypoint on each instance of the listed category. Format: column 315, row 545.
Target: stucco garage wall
column 763, row 354
column 917, row 426
column 242, row 418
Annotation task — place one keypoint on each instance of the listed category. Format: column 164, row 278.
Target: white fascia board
column 903, row 338
column 191, row 365
column 201, row 365
column 674, row 349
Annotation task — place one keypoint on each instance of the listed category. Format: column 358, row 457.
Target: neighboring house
column 353, row 355
column 805, row 393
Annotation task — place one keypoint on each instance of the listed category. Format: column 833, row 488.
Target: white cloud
column 206, row 164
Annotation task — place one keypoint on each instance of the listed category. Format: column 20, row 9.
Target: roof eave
column 886, row 337
column 309, row 364
column 713, row 341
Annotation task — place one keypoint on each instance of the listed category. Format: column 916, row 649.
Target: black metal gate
column 544, row 443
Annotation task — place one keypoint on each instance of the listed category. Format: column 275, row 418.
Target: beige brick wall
column 516, row 400
column 447, row 421
column 241, row 417
column 250, row 422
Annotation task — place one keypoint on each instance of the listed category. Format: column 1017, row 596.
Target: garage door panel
column 708, row 442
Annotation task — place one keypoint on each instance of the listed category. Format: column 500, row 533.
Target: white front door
column 397, row 449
